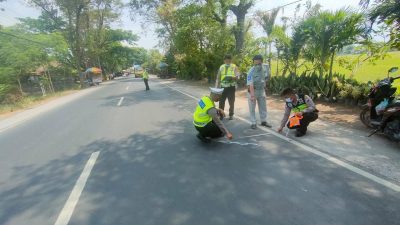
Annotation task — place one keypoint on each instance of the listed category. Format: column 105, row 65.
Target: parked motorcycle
column 382, row 112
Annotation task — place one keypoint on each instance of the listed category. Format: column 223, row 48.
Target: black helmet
column 227, row 56
column 258, row 57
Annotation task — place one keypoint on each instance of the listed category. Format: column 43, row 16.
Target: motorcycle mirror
column 393, row 69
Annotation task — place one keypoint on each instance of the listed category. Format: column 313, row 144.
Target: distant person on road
column 256, row 83
column 146, row 79
column 227, row 77
column 206, row 118
column 303, row 108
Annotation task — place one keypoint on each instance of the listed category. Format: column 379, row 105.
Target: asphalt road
column 131, row 157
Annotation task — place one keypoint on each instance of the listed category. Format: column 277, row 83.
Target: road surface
column 120, row 155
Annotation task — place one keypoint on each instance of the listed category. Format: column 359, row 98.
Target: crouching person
column 206, row 118
column 303, row 109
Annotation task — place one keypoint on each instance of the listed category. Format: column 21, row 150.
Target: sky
column 148, row 39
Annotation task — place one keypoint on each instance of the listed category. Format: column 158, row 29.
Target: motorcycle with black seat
column 382, row 112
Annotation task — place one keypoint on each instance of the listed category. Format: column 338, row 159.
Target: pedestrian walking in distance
column 146, row 79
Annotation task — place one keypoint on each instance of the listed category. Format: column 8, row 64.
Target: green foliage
column 388, row 12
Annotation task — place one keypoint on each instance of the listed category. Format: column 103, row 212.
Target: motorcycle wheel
column 365, row 117
column 392, row 130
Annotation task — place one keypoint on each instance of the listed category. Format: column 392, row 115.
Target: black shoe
column 300, row 134
column 202, row 138
column 265, row 124
column 230, row 117
column 253, row 126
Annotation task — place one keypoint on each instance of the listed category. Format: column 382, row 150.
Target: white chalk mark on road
column 120, row 101
column 237, row 143
column 315, row 151
column 255, row 135
column 66, row 212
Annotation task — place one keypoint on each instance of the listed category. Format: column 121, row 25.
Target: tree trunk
column 270, row 56
column 277, row 63
column 20, row 86
column 331, row 66
column 50, row 82
column 239, row 33
column 240, row 12
column 331, row 86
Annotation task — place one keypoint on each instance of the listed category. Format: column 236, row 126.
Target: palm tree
column 267, row 22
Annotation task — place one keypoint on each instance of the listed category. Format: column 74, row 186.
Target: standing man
column 206, row 118
column 302, row 106
column 256, row 83
column 146, row 79
column 227, row 76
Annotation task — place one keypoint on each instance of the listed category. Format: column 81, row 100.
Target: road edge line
column 317, row 152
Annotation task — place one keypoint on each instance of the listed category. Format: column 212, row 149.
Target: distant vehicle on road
column 138, row 71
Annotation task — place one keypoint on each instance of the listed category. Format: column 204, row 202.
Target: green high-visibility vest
column 300, row 105
column 200, row 116
column 145, row 75
column 227, row 75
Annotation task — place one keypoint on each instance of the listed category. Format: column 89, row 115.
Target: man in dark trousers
column 302, row 106
column 206, row 118
column 227, row 77
column 146, row 79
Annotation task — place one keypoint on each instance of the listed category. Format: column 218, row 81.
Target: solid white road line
column 255, row 135
column 315, row 151
column 120, row 101
column 237, row 143
column 66, row 212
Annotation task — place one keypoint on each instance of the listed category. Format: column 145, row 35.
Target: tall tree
column 239, row 31
column 388, row 12
column 267, row 22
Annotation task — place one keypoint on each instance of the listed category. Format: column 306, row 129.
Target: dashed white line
column 120, row 101
column 69, row 207
column 315, row 151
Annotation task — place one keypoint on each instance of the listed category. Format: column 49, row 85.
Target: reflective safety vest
column 200, row 116
column 300, row 105
column 145, row 75
column 227, row 75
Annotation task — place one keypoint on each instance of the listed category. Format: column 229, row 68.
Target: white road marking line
column 255, row 135
column 120, row 101
column 237, row 143
column 127, row 88
column 69, row 207
column 332, row 159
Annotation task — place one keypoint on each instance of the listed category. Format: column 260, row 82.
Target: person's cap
column 227, row 56
column 217, row 91
column 258, row 57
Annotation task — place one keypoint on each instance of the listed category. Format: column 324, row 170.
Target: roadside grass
column 366, row 72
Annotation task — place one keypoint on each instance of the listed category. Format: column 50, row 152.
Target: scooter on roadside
column 382, row 112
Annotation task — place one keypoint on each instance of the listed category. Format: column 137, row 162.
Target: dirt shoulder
column 10, row 110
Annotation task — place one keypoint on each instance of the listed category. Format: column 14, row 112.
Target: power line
column 22, row 38
column 282, row 6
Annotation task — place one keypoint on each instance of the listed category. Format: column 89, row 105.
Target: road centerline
column 68, row 209
column 120, row 101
